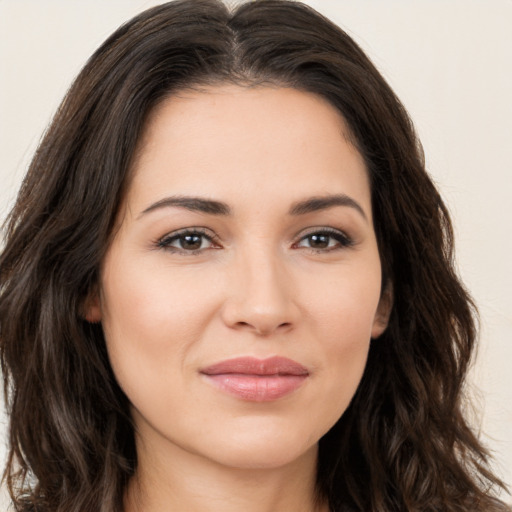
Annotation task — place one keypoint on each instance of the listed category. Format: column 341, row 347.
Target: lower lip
column 257, row 388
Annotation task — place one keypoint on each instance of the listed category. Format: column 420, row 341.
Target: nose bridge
column 263, row 273
column 260, row 297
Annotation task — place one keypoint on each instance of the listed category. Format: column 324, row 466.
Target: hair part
column 403, row 443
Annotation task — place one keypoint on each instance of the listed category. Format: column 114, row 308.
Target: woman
column 227, row 283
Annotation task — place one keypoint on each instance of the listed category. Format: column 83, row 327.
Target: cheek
column 150, row 321
column 343, row 318
column 346, row 305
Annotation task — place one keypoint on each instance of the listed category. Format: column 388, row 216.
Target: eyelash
column 343, row 241
column 166, row 241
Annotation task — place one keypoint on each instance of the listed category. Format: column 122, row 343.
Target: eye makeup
column 188, row 241
column 195, row 240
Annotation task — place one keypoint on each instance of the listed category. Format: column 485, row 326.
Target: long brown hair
column 403, row 444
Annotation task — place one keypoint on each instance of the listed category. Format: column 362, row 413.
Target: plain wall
column 450, row 61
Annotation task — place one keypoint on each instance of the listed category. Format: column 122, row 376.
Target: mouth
column 257, row 380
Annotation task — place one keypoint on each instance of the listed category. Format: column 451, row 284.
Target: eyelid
column 343, row 238
column 164, row 241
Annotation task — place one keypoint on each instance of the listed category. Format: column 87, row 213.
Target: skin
column 258, row 285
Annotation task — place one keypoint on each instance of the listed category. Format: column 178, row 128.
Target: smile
column 257, row 380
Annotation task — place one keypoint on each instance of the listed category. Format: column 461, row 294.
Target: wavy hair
column 403, row 444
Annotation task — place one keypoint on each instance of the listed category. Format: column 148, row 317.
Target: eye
column 189, row 241
column 325, row 240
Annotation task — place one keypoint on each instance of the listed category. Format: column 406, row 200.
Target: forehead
column 230, row 141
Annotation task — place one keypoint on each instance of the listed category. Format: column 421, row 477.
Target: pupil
column 191, row 242
column 319, row 241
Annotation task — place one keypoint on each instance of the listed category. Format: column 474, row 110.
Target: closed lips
column 253, row 366
column 258, row 380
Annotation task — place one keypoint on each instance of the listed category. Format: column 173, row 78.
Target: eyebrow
column 211, row 207
column 315, row 204
column 195, row 204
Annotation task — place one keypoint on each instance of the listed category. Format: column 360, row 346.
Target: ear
column 92, row 308
column 381, row 320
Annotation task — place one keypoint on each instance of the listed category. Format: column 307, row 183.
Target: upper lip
column 276, row 365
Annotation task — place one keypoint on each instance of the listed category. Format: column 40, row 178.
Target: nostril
column 262, row 328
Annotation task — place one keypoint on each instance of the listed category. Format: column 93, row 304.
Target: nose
column 260, row 296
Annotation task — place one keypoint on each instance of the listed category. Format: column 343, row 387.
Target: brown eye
column 319, row 241
column 190, row 242
column 325, row 241
column 186, row 242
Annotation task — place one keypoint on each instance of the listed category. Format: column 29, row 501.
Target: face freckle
column 247, row 237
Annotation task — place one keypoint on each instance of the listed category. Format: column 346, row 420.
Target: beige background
column 450, row 61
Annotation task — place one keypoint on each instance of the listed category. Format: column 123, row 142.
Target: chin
column 264, row 449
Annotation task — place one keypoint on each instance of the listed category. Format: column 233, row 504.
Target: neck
column 194, row 484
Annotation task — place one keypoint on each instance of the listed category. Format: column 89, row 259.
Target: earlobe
column 92, row 309
column 383, row 313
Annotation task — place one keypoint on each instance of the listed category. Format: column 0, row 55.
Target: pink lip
column 257, row 380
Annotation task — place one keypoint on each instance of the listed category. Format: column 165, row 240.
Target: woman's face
column 242, row 288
